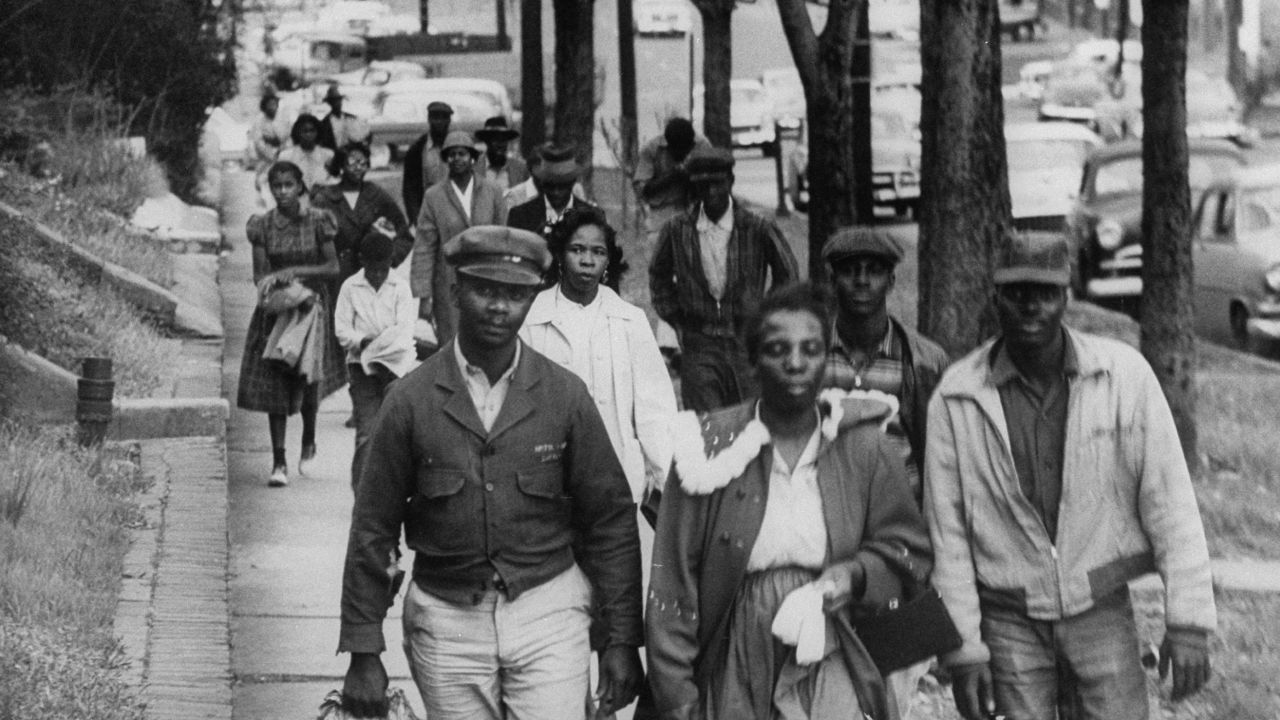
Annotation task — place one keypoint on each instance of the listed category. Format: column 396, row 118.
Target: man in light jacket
column 1053, row 476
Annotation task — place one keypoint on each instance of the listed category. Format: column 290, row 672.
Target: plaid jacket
column 679, row 286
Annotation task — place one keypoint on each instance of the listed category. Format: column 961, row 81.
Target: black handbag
column 903, row 634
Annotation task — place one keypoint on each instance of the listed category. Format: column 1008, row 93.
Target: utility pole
column 533, row 105
column 627, row 82
column 863, row 203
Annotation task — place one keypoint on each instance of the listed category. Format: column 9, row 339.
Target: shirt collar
column 469, row 370
column 810, row 452
column 1003, row 370
column 552, row 212
column 463, row 190
column 887, row 344
column 359, row 280
column 568, row 302
column 725, row 222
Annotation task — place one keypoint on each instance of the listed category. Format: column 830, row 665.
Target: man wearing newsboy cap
column 1053, row 476
column 498, row 467
column 708, row 274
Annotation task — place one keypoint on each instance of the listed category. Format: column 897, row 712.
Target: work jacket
column 1127, row 505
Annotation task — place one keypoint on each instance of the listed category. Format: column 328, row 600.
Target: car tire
column 1239, row 319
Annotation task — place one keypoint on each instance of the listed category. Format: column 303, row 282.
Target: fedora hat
column 495, row 128
column 556, row 165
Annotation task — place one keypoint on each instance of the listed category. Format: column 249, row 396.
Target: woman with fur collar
column 783, row 517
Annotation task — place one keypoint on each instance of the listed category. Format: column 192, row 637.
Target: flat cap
column 499, row 253
column 436, row 106
column 861, row 240
column 1035, row 258
column 709, row 163
column 459, row 138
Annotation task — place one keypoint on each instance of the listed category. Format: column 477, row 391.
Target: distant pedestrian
column 494, row 464
column 290, row 242
column 265, row 142
column 424, row 163
column 374, row 323
column 498, row 165
column 555, row 175
column 711, row 267
column 662, row 178
column 358, row 205
column 313, row 159
column 582, row 324
column 339, row 128
column 525, row 191
column 459, row 201
column 1053, row 477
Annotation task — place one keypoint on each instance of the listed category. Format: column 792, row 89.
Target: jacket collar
column 517, row 406
column 543, row 311
column 973, row 376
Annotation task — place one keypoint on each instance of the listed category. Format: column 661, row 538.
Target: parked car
column 750, row 113
column 895, row 158
column 1088, row 94
column 1032, row 77
column 310, row 55
column 1236, row 255
column 400, row 115
column 894, row 19
column 786, row 96
column 361, row 87
column 1020, row 19
column 1105, row 222
column 1045, row 161
column 662, row 18
column 1215, row 111
column 1105, row 51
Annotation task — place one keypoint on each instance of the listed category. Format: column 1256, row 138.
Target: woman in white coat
column 582, row 323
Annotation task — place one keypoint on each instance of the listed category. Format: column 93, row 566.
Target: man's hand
column 971, row 685
column 620, row 677
column 364, row 692
column 1187, row 651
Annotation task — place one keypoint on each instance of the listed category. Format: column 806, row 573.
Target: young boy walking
column 374, row 320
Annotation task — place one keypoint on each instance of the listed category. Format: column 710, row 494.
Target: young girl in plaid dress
column 290, row 242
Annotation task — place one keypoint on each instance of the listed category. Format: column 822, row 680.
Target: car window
column 1207, row 217
column 1027, row 155
column 1259, row 209
column 1124, row 175
column 1226, row 216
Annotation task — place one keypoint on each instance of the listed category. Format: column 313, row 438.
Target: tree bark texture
column 575, row 76
column 717, row 69
column 1168, row 319
column 533, row 105
column 964, row 193
column 825, row 61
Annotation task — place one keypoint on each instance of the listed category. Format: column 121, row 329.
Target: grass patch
column 51, row 311
column 63, row 518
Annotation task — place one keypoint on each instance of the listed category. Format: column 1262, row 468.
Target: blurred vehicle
column 1105, row 224
column 1105, row 52
column 662, row 18
column 895, row 159
column 310, row 55
column 1089, row 94
column 1045, row 162
column 361, row 87
column 352, row 16
column 750, row 112
column 1032, row 78
column 896, row 19
column 1020, row 19
column 400, row 115
column 900, row 95
column 786, row 96
column 1236, row 255
column 1214, row 110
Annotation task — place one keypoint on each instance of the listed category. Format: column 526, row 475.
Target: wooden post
column 95, row 389
column 533, row 104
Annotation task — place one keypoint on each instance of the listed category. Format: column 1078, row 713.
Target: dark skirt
column 760, row 679
column 272, row 387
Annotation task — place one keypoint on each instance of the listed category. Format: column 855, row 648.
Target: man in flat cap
column 498, row 467
column 555, row 176
column 497, row 165
column 1053, row 475
column 459, row 201
column 424, row 163
column 711, row 267
column 339, row 128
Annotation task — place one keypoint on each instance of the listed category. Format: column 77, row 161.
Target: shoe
column 305, row 460
column 279, row 476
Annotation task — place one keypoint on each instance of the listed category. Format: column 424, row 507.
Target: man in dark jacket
column 339, row 128
column 708, row 274
column 423, row 164
column 555, row 176
column 497, row 466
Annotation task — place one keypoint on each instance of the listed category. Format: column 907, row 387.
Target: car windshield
column 1123, row 176
column 1029, row 155
column 746, row 96
column 1259, row 209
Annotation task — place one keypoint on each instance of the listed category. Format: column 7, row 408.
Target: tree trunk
column 575, row 76
column 964, row 193
column 533, row 106
column 824, row 62
column 717, row 69
column 1168, row 319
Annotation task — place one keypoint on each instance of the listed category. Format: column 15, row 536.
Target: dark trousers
column 367, row 391
column 714, row 372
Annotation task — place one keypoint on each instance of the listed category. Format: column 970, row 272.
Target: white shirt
column 794, row 530
column 314, row 164
column 553, row 216
column 586, row 337
column 387, row 315
column 464, row 195
column 488, row 398
column 713, row 243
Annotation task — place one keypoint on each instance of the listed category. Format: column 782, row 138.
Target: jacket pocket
column 547, row 483
column 435, row 483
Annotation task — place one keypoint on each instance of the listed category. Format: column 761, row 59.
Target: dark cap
column 495, row 128
column 439, row 107
column 709, row 164
column 861, row 240
column 498, row 253
column 333, row 93
column 1035, row 258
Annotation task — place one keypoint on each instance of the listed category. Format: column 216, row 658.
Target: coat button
column 488, row 487
column 724, row 536
column 490, row 451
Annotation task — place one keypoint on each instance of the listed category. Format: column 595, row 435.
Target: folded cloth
column 295, row 341
column 800, row 622
column 277, row 298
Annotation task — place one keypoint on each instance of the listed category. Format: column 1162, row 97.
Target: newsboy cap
column 1035, row 258
column 499, row 253
column 436, row 106
column 858, row 240
column 709, row 164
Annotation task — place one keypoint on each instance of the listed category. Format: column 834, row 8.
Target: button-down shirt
column 464, row 196
column 580, row 330
column 1037, row 425
column 554, row 216
column 385, row 314
column 713, row 244
column 794, row 529
column 487, row 397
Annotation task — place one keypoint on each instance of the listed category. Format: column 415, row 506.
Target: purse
column 904, row 634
